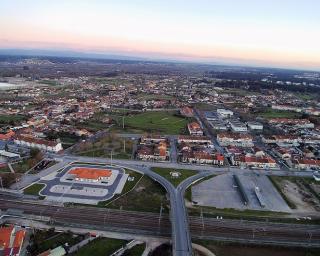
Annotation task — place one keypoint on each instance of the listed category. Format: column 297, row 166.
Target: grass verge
column 165, row 172
column 101, row 247
column 33, row 189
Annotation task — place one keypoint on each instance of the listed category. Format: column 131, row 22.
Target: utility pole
column 124, row 145
column 160, row 215
column 1, row 182
column 201, row 216
column 122, row 122
column 111, row 156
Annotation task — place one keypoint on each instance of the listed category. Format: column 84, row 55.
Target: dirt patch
column 140, row 188
column 297, row 196
column 316, row 187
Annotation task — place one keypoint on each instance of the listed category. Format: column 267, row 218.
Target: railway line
column 152, row 224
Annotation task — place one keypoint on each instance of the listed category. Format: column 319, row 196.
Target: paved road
column 180, row 235
column 180, row 229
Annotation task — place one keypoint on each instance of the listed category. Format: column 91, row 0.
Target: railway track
column 206, row 228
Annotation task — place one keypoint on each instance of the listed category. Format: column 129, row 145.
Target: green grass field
column 147, row 196
column 11, row 119
column 271, row 113
column 127, row 187
column 33, row 189
column 161, row 122
column 165, row 172
column 137, row 250
column 143, row 96
column 101, row 247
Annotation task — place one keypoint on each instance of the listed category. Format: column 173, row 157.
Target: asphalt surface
column 56, row 181
column 180, row 228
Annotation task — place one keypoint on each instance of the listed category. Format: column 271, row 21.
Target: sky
column 281, row 33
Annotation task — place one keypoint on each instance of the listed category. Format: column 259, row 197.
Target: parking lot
column 222, row 192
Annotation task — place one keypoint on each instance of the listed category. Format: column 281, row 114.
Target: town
column 87, row 134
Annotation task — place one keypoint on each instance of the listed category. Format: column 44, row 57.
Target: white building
column 224, row 112
column 41, row 144
column 6, row 156
column 237, row 126
column 255, row 126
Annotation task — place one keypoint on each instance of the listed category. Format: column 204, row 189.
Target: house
column 198, row 157
column 194, row 128
column 152, row 139
column 296, row 123
column 7, row 136
column 306, row 163
column 153, row 151
column 253, row 161
column 194, row 139
column 30, row 141
column 235, row 139
column 187, row 112
column 282, row 139
column 11, row 240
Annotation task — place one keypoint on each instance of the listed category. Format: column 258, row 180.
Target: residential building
column 235, row 139
column 11, row 240
column 42, row 144
column 194, row 129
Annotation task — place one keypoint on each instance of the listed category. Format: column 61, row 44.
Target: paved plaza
column 60, row 186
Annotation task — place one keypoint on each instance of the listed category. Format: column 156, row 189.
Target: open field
column 271, row 113
column 100, row 247
column 121, row 148
column 143, row 96
column 92, row 125
column 161, row 122
column 299, row 193
column 48, row 82
column 239, row 92
column 165, row 172
column 147, row 196
column 11, row 119
column 227, row 249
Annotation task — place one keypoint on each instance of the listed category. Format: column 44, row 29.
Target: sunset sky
column 283, row 33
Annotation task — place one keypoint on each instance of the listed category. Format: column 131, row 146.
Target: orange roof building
column 90, row 174
column 7, row 136
column 11, row 240
column 5, row 236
